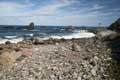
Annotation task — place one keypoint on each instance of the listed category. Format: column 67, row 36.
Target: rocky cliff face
column 30, row 26
column 115, row 26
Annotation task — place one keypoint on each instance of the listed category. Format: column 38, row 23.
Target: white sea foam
column 80, row 34
column 2, row 41
column 31, row 35
column 77, row 34
column 10, row 37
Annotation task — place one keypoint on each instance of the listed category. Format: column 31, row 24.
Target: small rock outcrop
column 69, row 29
column 115, row 26
column 29, row 27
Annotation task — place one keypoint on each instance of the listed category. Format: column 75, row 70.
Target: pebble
column 93, row 72
column 79, row 78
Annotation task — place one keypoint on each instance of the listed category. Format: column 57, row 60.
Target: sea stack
column 69, row 29
column 30, row 26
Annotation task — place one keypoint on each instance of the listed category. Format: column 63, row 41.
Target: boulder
column 7, row 42
column 37, row 41
column 7, row 58
column 107, row 35
column 115, row 26
column 49, row 41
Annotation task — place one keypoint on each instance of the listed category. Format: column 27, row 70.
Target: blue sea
column 15, row 34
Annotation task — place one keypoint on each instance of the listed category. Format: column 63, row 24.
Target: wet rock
column 29, row 27
column 1, row 48
column 38, row 41
column 49, row 41
column 7, row 42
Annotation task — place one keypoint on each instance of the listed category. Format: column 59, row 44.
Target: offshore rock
column 29, row 27
column 69, row 29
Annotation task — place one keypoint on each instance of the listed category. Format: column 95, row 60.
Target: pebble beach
column 74, row 59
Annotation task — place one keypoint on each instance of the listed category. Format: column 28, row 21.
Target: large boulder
column 107, row 35
column 29, row 27
column 115, row 26
column 37, row 41
column 7, row 58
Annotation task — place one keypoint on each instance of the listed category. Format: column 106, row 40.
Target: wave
column 29, row 35
column 2, row 41
column 79, row 34
column 43, row 36
column 10, row 37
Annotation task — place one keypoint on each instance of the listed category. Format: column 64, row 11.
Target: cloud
column 17, row 9
column 54, row 12
column 27, row 1
column 12, row 8
column 96, row 7
column 68, row 1
column 116, row 9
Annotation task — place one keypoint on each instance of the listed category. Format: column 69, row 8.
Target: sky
column 59, row 12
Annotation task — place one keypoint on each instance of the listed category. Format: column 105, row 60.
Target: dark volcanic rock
column 69, row 29
column 38, row 41
column 115, row 26
column 30, row 26
column 8, row 42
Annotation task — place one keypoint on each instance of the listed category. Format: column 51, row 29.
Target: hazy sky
column 59, row 12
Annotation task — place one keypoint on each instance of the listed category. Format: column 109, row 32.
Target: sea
column 16, row 34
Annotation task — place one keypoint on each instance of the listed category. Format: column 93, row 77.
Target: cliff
column 115, row 26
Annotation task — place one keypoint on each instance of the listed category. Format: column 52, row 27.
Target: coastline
column 72, row 59
column 78, row 56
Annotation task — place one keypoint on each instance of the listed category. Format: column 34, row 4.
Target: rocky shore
column 75, row 59
column 95, row 58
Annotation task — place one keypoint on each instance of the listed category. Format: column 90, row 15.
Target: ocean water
column 15, row 34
